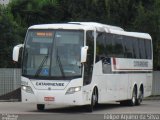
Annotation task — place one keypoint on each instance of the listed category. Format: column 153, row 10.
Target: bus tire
column 40, row 107
column 140, row 98
column 94, row 101
column 124, row 103
column 133, row 100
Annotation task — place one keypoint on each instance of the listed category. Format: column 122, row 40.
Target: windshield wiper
column 60, row 65
column 41, row 65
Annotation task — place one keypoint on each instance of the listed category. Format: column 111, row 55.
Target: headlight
column 73, row 90
column 27, row 89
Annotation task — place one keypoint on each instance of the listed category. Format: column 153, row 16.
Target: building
column 4, row 2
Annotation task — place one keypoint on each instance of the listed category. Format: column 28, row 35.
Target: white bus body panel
column 119, row 86
column 58, row 92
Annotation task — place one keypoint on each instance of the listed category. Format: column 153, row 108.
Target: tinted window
column 136, row 53
column 101, row 46
column 109, row 48
column 148, row 49
column 142, row 49
column 119, row 46
column 128, row 47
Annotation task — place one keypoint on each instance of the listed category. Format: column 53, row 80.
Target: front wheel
column 40, row 107
column 94, row 101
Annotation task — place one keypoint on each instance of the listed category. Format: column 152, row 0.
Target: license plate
column 49, row 98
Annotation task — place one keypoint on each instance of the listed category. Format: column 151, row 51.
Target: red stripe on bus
column 114, row 63
column 133, row 69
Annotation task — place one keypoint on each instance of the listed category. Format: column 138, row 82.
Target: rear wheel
column 40, row 107
column 140, row 98
column 94, row 101
column 132, row 102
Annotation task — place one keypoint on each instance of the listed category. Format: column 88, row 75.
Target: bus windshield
column 52, row 54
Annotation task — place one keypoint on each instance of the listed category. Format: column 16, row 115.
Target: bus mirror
column 84, row 54
column 16, row 51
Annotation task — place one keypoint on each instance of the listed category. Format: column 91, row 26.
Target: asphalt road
column 113, row 111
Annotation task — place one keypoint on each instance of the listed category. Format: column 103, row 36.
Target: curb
column 152, row 98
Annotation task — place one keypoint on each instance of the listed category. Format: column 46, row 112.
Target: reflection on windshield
column 41, row 65
column 52, row 54
column 60, row 64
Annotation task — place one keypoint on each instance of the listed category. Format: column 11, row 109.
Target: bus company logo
column 49, row 84
column 140, row 63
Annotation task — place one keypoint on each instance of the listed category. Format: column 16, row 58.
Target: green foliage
column 132, row 15
column 86, row 10
column 29, row 12
column 9, row 36
column 148, row 20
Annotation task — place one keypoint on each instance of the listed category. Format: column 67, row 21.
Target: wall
column 9, row 81
column 156, row 83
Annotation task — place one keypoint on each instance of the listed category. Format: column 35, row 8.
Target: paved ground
column 21, row 111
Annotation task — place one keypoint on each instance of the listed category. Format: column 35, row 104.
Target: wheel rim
column 95, row 98
column 134, row 97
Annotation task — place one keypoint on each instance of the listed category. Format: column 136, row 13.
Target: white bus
column 84, row 63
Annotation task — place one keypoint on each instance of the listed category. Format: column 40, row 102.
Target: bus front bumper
column 57, row 97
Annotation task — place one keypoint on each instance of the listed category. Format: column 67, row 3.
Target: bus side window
column 136, row 53
column 148, row 49
column 118, row 51
column 142, row 49
column 100, row 49
column 128, row 47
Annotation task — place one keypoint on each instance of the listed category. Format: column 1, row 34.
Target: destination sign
column 45, row 34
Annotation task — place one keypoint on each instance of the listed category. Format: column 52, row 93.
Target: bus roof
column 91, row 26
column 114, row 30
column 69, row 26
column 98, row 25
column 132, row 34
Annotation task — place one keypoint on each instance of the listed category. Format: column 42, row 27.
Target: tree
column 9, row 36
column 132, row 15
column 30, row 12
column 148, row 20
